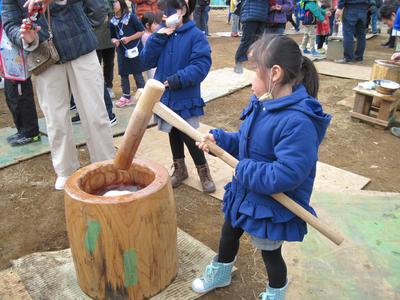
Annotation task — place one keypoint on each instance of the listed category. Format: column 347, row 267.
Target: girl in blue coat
column 277, row 148
column 126, row 34
column 182, row 56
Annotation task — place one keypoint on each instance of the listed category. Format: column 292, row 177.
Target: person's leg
column 312, row 37
column 229, row 243
column 126, row 86
column 108, row 66
column 319, row 41
column 361, row 36
column 374, row 22
column 306, row 37
column 54, row 97
column 176, row 144
column 207, row 16
column 235, row 24
column 197, row 154
column 349, row 22
column 331, row 22
column 249, row 31
column 100, row 55
column 20, row 100
column 218, row 272
column 197, row 17
column 291, row 21
column 87, row 84
column 276, row 268
column 178, row 155
column 139, row 80
column 108, row 103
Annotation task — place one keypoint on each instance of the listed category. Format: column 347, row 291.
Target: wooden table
column 363, row 106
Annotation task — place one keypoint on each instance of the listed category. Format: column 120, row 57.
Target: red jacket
column 143, row 6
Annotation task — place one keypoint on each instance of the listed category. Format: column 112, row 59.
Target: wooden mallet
column 138, row 123
column 175, row 120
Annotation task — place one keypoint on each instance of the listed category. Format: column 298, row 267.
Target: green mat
column 366, row 265
column 123, row 115
column 12, row 155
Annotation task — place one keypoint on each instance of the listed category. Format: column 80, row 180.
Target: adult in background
column 78, row 72
column 105, row 49
column 277, row 17
column 200, row 14
column 140, row 7
column 388, row 15
column 354, row 20
column 253, row 16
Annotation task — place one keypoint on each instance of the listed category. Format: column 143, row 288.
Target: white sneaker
column 1, row 83
column 60, row 183
column 110, row 91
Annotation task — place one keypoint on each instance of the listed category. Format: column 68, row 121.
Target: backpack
column 306, row 16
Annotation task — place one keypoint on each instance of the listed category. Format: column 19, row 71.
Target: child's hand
column 278, row 7
column 115, row 42
column 166, row 30
column 395, row 56
column 203, row 144
column 329, row 13
column 125, row 40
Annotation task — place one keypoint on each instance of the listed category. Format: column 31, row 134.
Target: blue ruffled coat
column 184, row 59
column 277, row 147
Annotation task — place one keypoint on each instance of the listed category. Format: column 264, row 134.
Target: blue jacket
column 184, row 59
column 396, row 24
column 254, row 10
column 277, row 147
column 72, row 30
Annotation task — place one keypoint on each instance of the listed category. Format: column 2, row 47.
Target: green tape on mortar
column 130, row 268
column 92, row 235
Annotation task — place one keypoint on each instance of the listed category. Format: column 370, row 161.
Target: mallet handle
column 138, row 122
column 172, row 118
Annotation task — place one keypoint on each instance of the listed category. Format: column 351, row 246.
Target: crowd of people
column 277, row 144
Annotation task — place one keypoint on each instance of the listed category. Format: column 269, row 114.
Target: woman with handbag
column 126, row 34
column 62, row 55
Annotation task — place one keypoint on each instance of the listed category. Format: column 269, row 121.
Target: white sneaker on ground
column 1, row 83
column 60, row 183
column 112, row 94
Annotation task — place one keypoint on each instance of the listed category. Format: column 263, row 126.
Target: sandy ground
column 32, row 213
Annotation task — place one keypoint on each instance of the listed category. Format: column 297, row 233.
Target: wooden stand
column 123, row 247
column 363, row 106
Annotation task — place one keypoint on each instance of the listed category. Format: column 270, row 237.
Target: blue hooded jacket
column 277, row 147
column 183, row 59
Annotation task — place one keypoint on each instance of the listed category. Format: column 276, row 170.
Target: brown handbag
column 45, row 55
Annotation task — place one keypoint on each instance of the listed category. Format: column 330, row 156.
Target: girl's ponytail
column 310, row 78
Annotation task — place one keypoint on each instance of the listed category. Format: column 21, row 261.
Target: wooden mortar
column 123, row 247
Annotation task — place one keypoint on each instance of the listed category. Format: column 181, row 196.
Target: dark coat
column 129, row 24
column 254, row 10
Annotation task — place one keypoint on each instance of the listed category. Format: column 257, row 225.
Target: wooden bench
column 363, row 106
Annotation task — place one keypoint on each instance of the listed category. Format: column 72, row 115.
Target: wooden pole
column 172, row 118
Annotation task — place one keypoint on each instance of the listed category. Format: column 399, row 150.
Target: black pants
column 291, row 21
column 20, row 101
column 107, row 57
column 321, row 40
column 177, row 139
column 251, row 32
column 273, row 260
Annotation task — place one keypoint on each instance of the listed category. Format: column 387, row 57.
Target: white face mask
column 175, row 20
